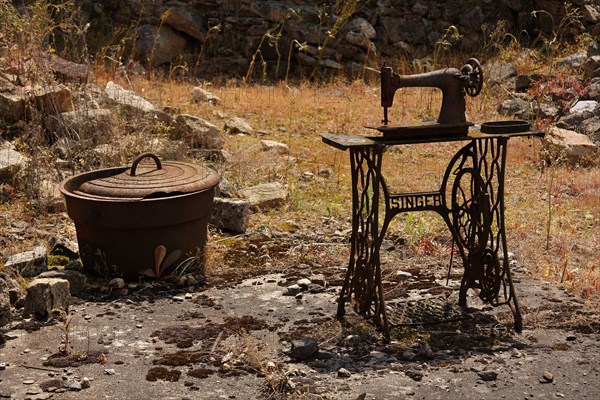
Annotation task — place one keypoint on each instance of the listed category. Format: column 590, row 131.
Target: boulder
column 275, row 147
column 237, row 126
column 52, row 98
column 573, row 148
column 304, row 348
column 81, row 124
column 156, row 46
column 230, row 214
column 204, row 96
column 63, row 69
column 573, row 61
column 5, row 310
column 266, row 195
column 515, row 107
column 185, row 20
column 361, row 25
column 28, row 263
column 11, row 162
column 128, row 99
column 12, row 102
column 62, row 246
column 591, row 68
column 76, row 279
column 197, row 132
column 45, row 295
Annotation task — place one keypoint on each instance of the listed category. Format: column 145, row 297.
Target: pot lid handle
column 139, row 158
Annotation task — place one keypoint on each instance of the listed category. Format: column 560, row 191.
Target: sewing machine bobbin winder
column 470, row 198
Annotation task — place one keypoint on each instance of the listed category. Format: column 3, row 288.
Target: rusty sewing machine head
column 453, row 83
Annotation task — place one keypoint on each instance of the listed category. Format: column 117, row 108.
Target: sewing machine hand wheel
column 473, row 75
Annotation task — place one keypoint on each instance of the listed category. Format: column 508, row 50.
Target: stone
column 197, row 132
column 547, row 377
column 514, row 107
column 266, row 195
column 185, row 20
column 237, row 125
column 29, row 263
column 45, row 295
column 586, row 106
column 362, row 26
column 329, row 63
column 275, row 147
column 590, row 126
column 591, row 68
column 293, row 290
column 488, row 376
column 128, row 99
column 204, row 96
column 304, row 348
column 11, row 162
column 72, row 384
column 499, row 72
column 5, row 310
column 52, row 98
column 116, row 283
column 343, row 373
column 358, row 39
column 82, row 124
column 563, row 145
column 76, row 279
column 409, row 30
column 62, row 246
column 304, row 283
column 156, row 46
column 573, row 61
column 12, row 102
column 591, row 13
column 230, row 214
column 403, row 275
column 305, row 59
column 63, row 69
column 424, row 351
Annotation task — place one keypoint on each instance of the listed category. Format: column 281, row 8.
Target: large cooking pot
column 136, row 220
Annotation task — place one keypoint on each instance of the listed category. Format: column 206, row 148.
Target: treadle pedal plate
column 425, row 310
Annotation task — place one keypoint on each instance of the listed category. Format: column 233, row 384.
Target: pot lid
column 151, row 180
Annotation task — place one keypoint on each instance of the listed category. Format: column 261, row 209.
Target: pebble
column 488, row 376
column 85, row 383
column 2, row 366
column 188, row 296
column 109, row 371
column 344, row 373
column 118, row 283
column 304, row 283
column 293, row 290
column 72, row 384
column 178, row 298
column 547, row 377
column 28, row 382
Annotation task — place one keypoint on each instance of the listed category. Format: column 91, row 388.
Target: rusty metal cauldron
column 130, row 220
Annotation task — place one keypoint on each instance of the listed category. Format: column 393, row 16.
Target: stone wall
column 229, row 33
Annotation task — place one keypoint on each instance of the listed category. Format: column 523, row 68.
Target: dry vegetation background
column 553, row 211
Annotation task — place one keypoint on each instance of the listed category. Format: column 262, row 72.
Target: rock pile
column 325, row 35
column 570, row 105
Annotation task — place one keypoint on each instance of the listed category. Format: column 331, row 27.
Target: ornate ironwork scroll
column 362, row 285
column 471, row 202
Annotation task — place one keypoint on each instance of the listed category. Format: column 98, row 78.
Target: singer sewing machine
column 453, row 83
column 470, row 199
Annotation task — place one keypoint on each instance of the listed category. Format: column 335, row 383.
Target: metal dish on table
column 511, row 126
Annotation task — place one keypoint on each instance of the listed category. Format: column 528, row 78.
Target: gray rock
column 237, row 125
column 343, row 373
column 82, row 124
column 274, row 146
column 76, row 279
column 72, row 384
column 361, row 25
column 116, row 283
column 197, row 132
column 45, row 295
column 230, row 214
column 573, row 61
column 5, row 311
column 29, row 263
column 293, row 290
column 409, row 30
column 328, row 63
column 204, row 96
column 62, row 246
column 128, row 99
column 156, row 46
column 358, row 39
column 53, row 99
column 304, row 349
column 590, row 126
column 11, row 162
column 266, row 195
column 514, row 107
column 571, row 147
column 185, row 20
column 12, row 102
column 500, row 72
column 591, row 13
column 488, row 376
column 591, row 68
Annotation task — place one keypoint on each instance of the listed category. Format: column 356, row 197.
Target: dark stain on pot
column 145, row 219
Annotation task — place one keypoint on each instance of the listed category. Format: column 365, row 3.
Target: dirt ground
column 234, row 338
